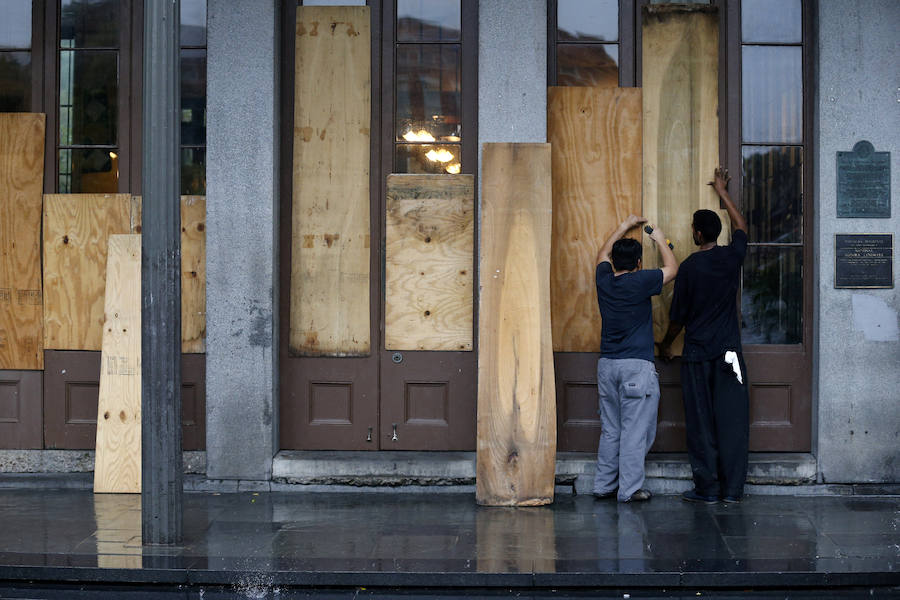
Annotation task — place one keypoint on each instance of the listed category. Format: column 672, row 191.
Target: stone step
column 666, row 473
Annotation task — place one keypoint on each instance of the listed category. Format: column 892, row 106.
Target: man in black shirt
column 627, row 384
column 713, row 373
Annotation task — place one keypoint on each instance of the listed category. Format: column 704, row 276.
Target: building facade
column 799, row 82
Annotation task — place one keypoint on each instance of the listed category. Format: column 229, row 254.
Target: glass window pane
column 587, row 65
column 776, row 21
column 193, row 97
column 773, row 193
column 88, row 97
column 89, row 24
column 772, row 94
column 15, row 81
column 428, row 93
column 88, row 171
column 15, row 26
column 426, row 158
column 193, row 22
column 193, row 171
column 588, row 20
column 428, row 20
column 772, row 296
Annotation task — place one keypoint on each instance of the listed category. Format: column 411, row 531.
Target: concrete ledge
column 74, row 461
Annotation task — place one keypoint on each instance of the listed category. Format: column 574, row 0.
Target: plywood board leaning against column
column 429, row 262
column 516, row 448
column 680, row 63
column 117, row 462
column 76, row 230
column 21, row 185
column 193, row 269
column 330, row 313
column 595, row 138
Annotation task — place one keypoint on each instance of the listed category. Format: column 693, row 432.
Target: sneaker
column 640, row 496
column 694, row 496
column 731, row 499
column 605, row 495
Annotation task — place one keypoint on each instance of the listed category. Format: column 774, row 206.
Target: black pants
column 716, row 417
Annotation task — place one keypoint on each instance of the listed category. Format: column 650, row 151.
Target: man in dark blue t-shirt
column 626, row 377
column 713, row 373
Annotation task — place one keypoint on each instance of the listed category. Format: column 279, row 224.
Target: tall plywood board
column 680, row 55
column 193, row 269
column 117, row 463
column 595, row 135
column 330, row 220
column 429, row 262
column 516, row 447
column 76, row 230
column 21, row 185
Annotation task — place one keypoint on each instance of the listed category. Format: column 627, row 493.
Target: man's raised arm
column 720, row 184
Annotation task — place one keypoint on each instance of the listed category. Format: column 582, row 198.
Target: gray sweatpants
column 629, row 399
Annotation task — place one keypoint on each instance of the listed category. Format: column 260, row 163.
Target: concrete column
column 242, row 243
column 512, row 71
column 858, row 342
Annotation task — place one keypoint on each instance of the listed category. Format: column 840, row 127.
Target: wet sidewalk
column 291, row 544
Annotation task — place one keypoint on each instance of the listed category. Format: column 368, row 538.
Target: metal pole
column 161, row 472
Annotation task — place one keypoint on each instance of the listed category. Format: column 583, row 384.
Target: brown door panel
column 329, row 404
column 71, row 388
column 780, row 400
column 21, row 397
column 429, row 398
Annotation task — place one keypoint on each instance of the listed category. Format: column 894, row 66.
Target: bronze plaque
column 864, row 260
column 864, row 182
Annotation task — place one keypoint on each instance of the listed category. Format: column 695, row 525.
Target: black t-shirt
column 626, row 310
column 705, row 299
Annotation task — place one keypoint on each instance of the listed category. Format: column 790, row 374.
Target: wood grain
column 117, row 463
column 193, row 269
column 680, row 50
column 595, row 136
column 76, row 230
column 429, row 262
column 21, row 296
column 516, row 447
column 330, row 221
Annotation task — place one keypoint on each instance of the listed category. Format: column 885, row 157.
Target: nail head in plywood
column 21, row 295
column 680, row 79
column 330, row 222
column 595, row 135
column 516, row 447
column 429, row 260
column 76, row 230
column 117, row 463
column 193, row 269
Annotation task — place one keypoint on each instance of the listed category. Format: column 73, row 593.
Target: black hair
column 625, row 254
column 707, row 224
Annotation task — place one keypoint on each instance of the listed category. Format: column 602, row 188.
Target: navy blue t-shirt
column 627, row 312
column 705, row 299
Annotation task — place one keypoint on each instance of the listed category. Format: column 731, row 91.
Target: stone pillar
column 241, row 238
column 858, row 342
column 512, row 71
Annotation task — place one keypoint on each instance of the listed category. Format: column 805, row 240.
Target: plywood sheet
column 516, row 392
column 429, row 262
column 76, row 230
column 680, row 55
column 21, row 184
column 595, row 135
column 117, row 463
column 330, row 220
column 193, row 269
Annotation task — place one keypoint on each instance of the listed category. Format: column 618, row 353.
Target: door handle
column 394, row 437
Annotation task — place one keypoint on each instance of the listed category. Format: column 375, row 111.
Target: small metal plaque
column 864, row 182
column 864, row 260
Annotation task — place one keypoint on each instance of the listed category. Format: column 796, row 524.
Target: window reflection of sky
column 15, row 26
